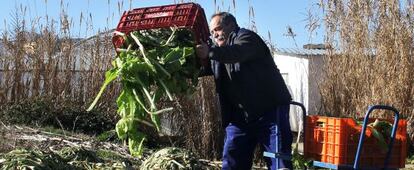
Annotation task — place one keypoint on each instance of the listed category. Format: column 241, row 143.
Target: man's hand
column 202, row 50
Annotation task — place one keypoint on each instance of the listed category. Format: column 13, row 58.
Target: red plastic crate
column 185, row 15
column 335, row 140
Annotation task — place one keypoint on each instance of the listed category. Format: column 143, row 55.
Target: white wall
column 303, row 75
column 295, row 72
column 315, row 79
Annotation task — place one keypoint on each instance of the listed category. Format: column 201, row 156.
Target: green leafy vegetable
column 152, row 64
column 381, row 130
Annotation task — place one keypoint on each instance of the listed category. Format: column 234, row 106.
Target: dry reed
column 371, row 60
column 42, row 59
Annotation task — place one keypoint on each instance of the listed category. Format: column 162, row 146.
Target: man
column 253, row 97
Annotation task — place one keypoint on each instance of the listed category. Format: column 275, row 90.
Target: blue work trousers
column 241, row 140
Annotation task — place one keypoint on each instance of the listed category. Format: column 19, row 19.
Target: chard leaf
column 110, row 75
column 122, row 128
column 136, row 142
column 173, row 55
column 381, row 141
column 155, row 118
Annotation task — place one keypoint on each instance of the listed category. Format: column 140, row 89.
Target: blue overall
column 241, row 140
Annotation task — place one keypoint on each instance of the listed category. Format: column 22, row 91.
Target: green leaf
column 135, row 143
column 110, row 75
column 381, row 141
column 131, row 104
column 174, row 66
column 173, row 55
column 122, row 128
column 122, row 110
column 121, row 98
column 142, row 50
column 167, row 91
column 147, row 94
column 162, row 110
column 187, row 53
column 155, row 118
column 122, row 55
column 137, row 67
column 121, row 102
column 158, row 93
column 139, row 98
column 161, row 68
column 118, row 62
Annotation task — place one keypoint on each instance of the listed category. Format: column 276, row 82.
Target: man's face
column 219, row 31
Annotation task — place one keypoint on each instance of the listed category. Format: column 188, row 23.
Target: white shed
column 302, row 71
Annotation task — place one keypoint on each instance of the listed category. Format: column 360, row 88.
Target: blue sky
column 272, row 16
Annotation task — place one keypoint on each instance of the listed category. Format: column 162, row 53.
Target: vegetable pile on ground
column 25, row 159
column 152, row 64
column 23, row 147
column 172, row 158
column 67, row 158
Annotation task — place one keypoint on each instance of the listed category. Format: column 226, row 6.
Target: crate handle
column 364, row 127
column 320, row 123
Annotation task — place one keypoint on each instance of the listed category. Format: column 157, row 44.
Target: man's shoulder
column 245, row 31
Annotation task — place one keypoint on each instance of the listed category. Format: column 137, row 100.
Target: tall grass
column 371, row 59
column 44, row 60
column 199, row 120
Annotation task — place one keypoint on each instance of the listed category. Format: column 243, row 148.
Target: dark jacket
column 247, row 80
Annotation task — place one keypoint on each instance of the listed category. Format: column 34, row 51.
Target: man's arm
column 202, row 54
column 205, row 69
column 246, row 46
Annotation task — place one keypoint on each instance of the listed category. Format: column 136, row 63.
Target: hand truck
column 277, row 155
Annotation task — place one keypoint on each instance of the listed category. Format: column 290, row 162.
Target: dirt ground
column 14, row 136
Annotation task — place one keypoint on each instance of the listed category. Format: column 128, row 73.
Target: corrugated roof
column 91, row 39
column 299, row 52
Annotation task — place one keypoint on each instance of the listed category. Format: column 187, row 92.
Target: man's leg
column 238, row 149
column 269, row 136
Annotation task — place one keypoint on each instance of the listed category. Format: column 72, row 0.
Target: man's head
column 221, row 25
